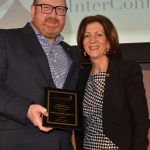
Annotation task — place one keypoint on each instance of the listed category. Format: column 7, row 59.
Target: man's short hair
column 35, row 1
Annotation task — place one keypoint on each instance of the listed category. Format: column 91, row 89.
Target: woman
column 114, row 104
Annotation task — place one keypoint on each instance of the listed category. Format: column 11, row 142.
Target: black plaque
column 63, row 109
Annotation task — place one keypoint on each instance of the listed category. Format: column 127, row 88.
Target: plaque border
column 77, row 120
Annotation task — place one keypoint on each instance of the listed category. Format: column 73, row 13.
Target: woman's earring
column 85, row 54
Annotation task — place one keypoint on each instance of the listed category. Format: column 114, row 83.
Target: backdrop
column 131, row 17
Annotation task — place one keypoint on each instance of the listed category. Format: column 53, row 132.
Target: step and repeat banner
column 131, row 17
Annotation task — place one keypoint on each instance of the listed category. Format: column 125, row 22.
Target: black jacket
column 125, row 111
column 24, row 72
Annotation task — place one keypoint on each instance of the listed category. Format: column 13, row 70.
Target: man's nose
column 53, row 13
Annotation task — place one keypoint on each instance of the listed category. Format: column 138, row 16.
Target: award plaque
column 63, row 109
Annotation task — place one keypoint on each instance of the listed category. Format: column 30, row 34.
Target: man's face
column 50, row 25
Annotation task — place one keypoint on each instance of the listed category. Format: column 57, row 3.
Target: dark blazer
column 24, row 72
column 125, row 111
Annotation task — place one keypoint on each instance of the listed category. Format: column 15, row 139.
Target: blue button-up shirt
column 59, row 61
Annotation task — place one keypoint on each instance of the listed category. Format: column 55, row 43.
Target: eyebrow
column 95, row 32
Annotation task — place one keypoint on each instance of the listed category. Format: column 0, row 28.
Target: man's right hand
column 35, row 113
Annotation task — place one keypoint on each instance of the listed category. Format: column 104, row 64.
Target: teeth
column 93, row 47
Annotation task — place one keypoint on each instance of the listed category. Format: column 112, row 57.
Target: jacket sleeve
column 138, row 107
column 12, row 105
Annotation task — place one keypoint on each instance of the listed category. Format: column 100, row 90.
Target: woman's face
column 95, row 42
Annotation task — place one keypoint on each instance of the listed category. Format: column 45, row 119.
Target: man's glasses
column 47, row 9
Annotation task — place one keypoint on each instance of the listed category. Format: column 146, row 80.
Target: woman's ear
column 108, row 46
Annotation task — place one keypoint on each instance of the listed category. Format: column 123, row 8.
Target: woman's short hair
column 109, row 29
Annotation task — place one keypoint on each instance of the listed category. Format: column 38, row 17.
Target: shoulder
column 72, row 51
column 85, row 71
column 69, row 48
column 127, row 71
column 125, row 65
column 83, row 76
column 86, row 67
column 9, row 34
column 15, row 31
column 9, row 31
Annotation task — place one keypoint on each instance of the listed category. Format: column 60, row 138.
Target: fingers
column 45, row 113
column 35, row 114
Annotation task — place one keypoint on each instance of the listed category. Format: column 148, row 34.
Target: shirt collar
column 59, row 38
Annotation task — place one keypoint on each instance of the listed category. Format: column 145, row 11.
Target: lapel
column 72, row 77
column 35, row 48
column 109, row 79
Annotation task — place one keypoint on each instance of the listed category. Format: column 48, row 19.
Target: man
column 32, row 58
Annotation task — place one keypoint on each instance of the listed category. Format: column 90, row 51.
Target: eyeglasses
column 47, row 9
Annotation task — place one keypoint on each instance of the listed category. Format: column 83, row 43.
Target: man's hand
column 35, row 113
